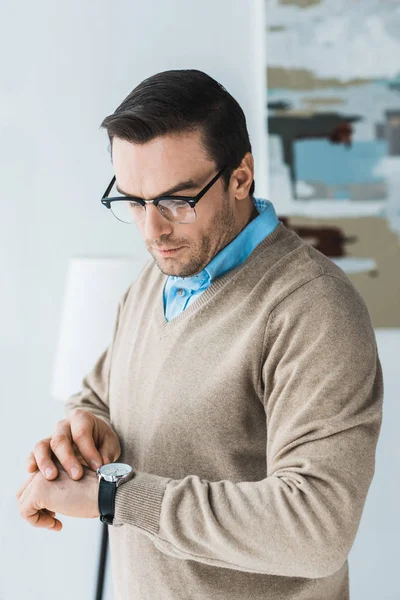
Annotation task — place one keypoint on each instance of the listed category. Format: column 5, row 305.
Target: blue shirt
column 179, row 292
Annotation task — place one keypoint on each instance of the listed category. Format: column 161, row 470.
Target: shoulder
column 305, row 275
column 146, row 277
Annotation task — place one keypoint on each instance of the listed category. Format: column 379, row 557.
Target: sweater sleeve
column 93, row 395
column 322, row 392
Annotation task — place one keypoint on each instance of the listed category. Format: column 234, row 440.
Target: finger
column 57, row 524
column 79, row 455
column 110, row 448
column 39, row 518
column 62, row 445
column 85, row 433
column 31, row 464
column 44, row 460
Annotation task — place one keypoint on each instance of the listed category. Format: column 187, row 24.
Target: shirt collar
column 236, row 251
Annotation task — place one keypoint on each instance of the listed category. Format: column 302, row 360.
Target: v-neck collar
column 163, row 325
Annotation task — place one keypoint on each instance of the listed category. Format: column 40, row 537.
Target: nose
column 155, row 225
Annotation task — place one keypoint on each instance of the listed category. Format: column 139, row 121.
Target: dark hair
column 184, row 100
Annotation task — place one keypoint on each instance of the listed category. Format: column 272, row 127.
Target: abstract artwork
column 333, row 95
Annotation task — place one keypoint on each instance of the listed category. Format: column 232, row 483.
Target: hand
column 83, row 439
column 39, row 499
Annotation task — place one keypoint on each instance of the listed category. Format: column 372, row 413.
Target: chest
column 178, row 400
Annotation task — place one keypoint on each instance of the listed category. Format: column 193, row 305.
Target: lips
column 168, row 249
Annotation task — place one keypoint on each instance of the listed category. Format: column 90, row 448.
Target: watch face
column 115, row 469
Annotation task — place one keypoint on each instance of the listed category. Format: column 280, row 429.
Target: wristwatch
column 110, row 477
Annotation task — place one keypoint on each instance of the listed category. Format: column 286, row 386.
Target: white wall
column 374, row 558
column 63, row 68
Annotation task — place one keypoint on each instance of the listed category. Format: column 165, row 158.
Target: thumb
column 110, row 450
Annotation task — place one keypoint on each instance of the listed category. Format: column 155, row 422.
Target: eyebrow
column 189, row 184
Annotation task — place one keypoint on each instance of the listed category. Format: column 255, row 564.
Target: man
column 242, row 384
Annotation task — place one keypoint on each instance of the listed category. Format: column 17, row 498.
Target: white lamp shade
column 94, row 287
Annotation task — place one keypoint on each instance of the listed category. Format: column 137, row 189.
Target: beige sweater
column 251, row 421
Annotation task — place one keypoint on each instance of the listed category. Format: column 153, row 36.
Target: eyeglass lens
column 130, row 211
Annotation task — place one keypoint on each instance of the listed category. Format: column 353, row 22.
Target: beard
column 224, row 228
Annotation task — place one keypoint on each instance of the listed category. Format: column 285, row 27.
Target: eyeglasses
column 179, row 209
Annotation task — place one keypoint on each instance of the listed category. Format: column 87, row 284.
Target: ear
column 242, row 177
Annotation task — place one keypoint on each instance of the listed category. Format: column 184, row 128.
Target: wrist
column 95, row 496
column 111, row 476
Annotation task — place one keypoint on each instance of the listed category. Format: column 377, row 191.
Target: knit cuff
column 138, row 501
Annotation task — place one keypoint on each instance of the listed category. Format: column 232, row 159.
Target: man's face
column 148, row 170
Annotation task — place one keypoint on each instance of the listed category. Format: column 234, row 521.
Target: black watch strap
column 107, row 492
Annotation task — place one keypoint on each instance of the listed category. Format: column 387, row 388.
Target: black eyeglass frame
column 192, row 200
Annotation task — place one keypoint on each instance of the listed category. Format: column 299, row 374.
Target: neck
column 254, row 213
